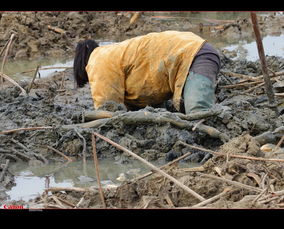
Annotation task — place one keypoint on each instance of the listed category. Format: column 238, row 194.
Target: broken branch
column 13, row 82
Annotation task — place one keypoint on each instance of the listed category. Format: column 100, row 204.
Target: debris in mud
column 245, row 119
column 39, row 34
column 54, row 124
column 232, row 183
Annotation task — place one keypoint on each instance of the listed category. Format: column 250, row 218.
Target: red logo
column 13, row 206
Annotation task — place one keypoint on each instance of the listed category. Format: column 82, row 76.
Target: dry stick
column 233, row 155
column 57, row 201
column 187, row 189
column 83, row 151
column 5, row 56
column 258, row 80
column 238, row 75
column 252, row 88
column 260, row 49
column 162, row 167
column 84, row 146
column 2, row 75
column 260, row 195
column 242, row 84
column 3, row 49
column 26, row 128
column 31, row 84
column 279, row 94
column 45, row 68
column 210, row 200
column 235, row 183
column 4, row 169
column 79, row 203
column 98, row 170
column 58, row 152
column 69, row 189
column 279, row 143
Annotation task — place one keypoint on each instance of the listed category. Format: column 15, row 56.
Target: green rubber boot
column 198, row 93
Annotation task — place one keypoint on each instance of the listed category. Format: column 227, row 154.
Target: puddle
column 273, row 46
column 31, row 181
column 17, row 69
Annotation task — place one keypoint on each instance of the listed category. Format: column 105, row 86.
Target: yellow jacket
column 145, row 70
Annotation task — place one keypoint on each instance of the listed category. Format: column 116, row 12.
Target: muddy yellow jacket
column 145, row 70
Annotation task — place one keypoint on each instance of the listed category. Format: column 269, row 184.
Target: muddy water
column 31, row 181
column 17, row 69
column 273, row 46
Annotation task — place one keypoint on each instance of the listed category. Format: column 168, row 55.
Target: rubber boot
column 198, row 93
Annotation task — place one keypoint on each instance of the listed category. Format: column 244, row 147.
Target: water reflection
column 31, row 180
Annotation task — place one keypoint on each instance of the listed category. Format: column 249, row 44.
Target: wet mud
column 245, row 118
column 40, row 34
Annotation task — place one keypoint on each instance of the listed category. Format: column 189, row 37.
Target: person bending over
column 150, row 69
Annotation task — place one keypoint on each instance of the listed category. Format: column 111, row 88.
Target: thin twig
column 60, row 153
column 210, row 200
column 4, row 47
column 260, row 195
column 69, row 189
column 5, row 55
column 235, row 183
column 80, row 202
column 98, row 170
column 2, row 75
column 162, row 167
column 4, row 169
column 279, row 143
column 187, row 189
column 26, row 128
column 268, row 86
column 197, row 124
column 57, row 201
column 45, row 68
column 84, row 147
column 233, row 155
column 31, row 84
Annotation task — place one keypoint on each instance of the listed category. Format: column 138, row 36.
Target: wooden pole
column 260, row 49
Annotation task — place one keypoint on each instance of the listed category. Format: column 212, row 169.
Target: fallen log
column 144, row 117
column 100, row 114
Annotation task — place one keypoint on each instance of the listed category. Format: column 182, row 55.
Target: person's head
column 82, row 54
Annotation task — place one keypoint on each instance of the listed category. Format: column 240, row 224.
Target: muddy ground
column 39, row 34
column 246, row 119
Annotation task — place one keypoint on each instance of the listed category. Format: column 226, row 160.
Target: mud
column 40, row 34
column 53, row 102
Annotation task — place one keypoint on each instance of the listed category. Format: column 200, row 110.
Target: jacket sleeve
column 106, row 83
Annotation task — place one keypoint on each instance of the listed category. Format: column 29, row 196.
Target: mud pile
column 39, row 34
column 245, row 118
column 234, row 183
